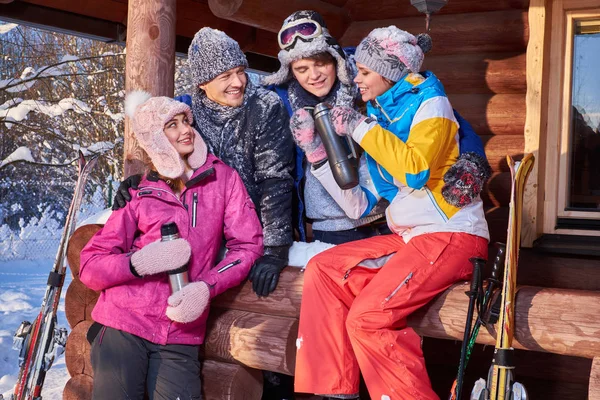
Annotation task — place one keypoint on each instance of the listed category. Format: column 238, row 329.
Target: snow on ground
column 22, row 287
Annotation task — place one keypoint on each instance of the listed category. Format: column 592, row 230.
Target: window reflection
column 584, row 188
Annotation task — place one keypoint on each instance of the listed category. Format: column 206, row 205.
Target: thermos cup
column 340, row 150
column 178, row 278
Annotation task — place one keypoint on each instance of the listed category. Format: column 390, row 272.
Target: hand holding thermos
column 169, row 255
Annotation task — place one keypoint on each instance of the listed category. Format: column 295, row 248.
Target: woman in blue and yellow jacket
column 362, row 292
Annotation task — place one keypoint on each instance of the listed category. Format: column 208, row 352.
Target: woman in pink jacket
column 145, row 339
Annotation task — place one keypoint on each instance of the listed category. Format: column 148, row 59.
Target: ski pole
column 478, row 264
column 482, row 308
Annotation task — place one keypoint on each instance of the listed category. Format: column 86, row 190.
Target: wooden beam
column 79, row 387
column 479, row 73
column 77, row 242
column 284, row 302
column 150, row 62
column 365, row 10
column 256, row 340
column 265, row 43
column 492, row 114
column 498, row 146
column 77, row 350
column 550, row 320
column 564, row 272
column 193, row 16
column 225, row 381
column 79, row 302
column 488, row 32
column 535, row 122
column 269, row 15
column 108, row 10
column 62, row 21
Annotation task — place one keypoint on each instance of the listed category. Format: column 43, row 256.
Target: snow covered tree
column 58, row 94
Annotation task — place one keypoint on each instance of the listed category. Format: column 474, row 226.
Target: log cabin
column 516, row 69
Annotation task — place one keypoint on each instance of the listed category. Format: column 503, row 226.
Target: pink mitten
column 159, row 257
column 189, row 303
column 345, row 120
column 303, row 130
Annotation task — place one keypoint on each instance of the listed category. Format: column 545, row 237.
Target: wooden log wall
column 479, row 55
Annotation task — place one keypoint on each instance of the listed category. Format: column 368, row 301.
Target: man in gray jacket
column 248, row 128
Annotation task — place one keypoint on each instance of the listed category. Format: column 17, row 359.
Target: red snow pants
column 353, row 317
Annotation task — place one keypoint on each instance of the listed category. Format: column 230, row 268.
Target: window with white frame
column 572, row 196
column 582, row 194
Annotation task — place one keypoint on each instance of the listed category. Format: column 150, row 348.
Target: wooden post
column 77, row 351
column 269, row 14
column 224, row 381
column 78, row 387
column 594, row 387
column 535, row 120
column 77, row 242
column 256, row 340
column 79, row 302
column 150, row 63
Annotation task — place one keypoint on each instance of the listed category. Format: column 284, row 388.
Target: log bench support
column 247, row 333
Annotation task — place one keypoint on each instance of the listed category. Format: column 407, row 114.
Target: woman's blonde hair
column 177, row 185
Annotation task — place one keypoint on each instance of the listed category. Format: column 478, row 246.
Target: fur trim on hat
column 149, row 116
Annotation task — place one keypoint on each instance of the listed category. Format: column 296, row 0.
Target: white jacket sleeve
column 356, row 202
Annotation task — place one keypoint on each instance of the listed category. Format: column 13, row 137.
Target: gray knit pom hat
column 392, row 52
column 323, row 43
column 211, row 53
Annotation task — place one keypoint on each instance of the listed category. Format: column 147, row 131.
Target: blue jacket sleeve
column 186, row 98
column 469, row 141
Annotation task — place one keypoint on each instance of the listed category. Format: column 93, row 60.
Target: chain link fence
column 39, row 238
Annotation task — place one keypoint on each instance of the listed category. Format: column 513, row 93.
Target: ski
column 40, row 342
column 500, row 384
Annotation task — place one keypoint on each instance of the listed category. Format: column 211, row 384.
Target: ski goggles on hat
column 304, row 29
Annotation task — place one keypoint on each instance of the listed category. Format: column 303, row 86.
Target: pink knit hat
column 149, row 116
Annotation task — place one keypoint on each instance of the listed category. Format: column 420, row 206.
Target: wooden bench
column 247, row 333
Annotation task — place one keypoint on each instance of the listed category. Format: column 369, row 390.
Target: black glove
column 122, row 196
column 264, row 274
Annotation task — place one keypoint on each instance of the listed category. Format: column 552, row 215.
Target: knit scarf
column 212, row 118
column 339, row 95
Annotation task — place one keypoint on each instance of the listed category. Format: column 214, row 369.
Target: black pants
column 350, row 235
column 127, row 366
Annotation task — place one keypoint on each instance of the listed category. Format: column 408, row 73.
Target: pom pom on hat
column 133, row 100
column 425, row 43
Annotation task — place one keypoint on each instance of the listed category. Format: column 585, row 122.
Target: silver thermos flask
column 340, row 150
column 178, row 278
